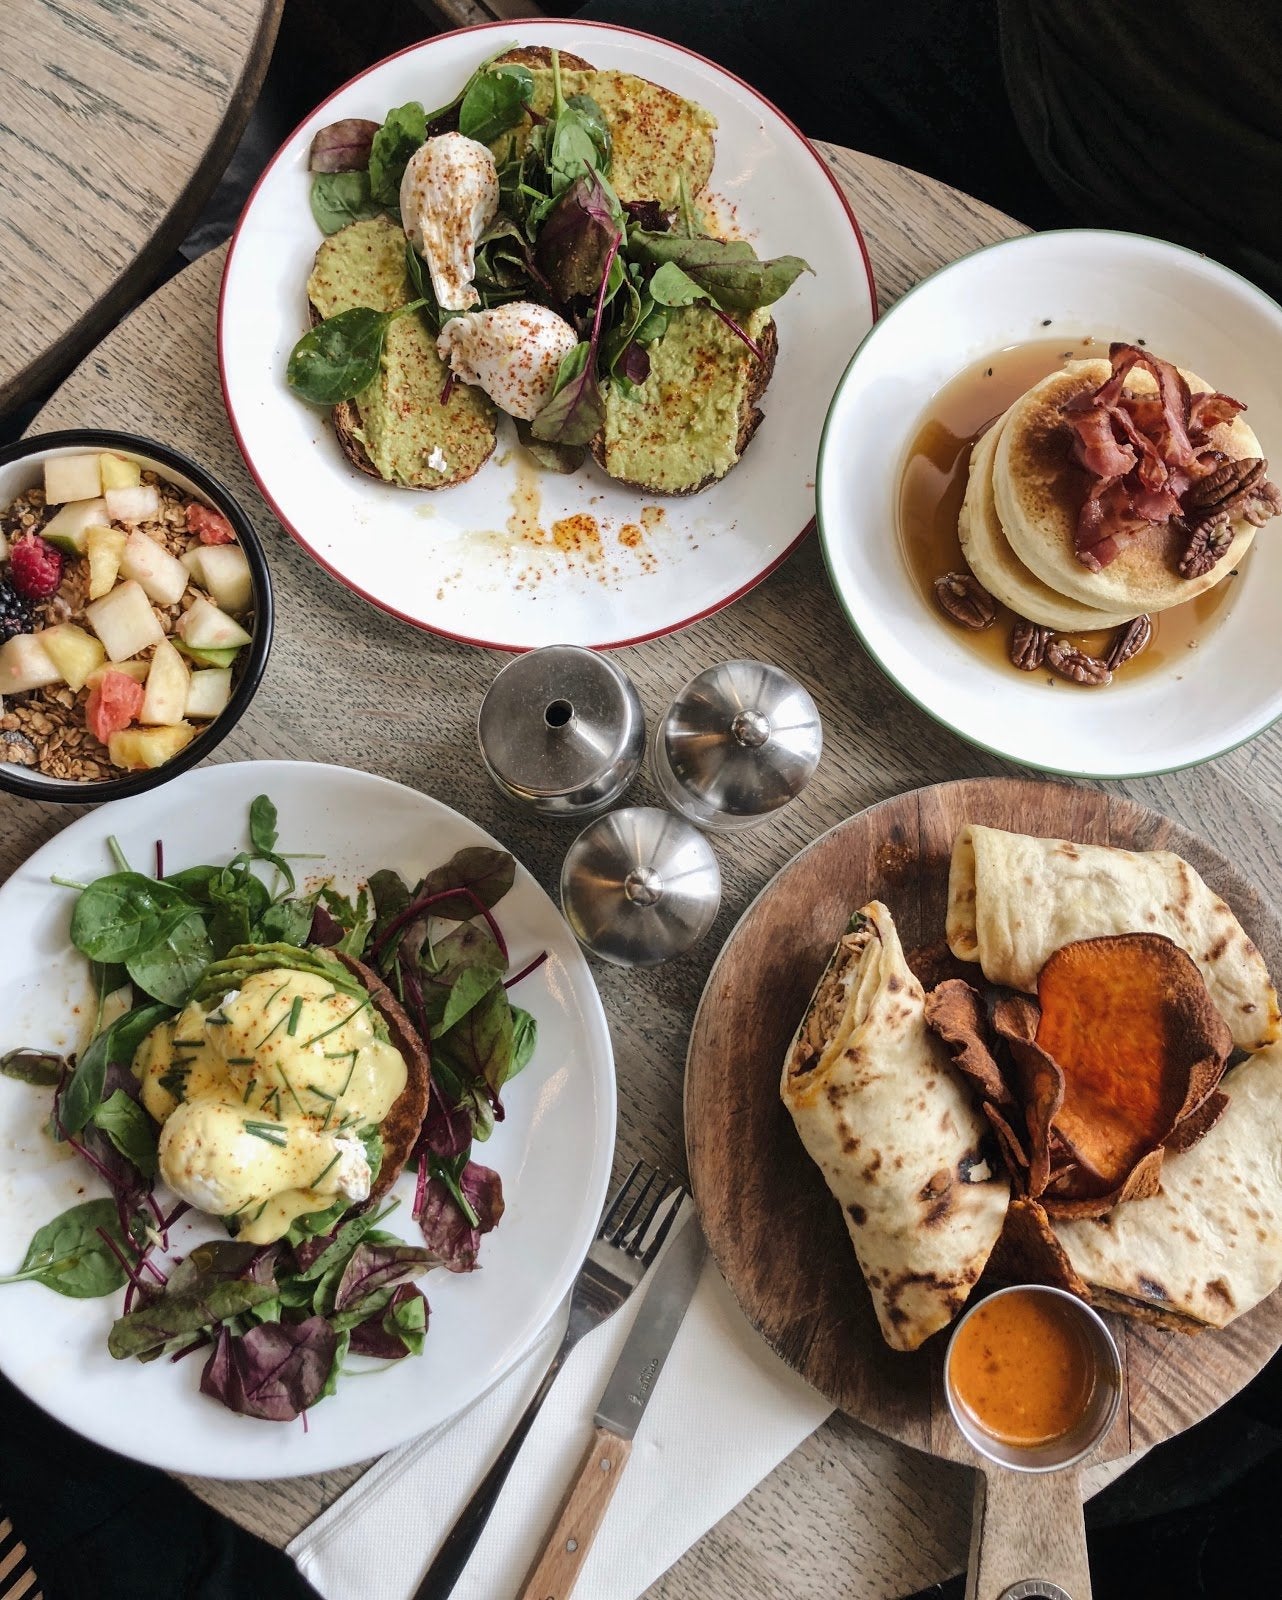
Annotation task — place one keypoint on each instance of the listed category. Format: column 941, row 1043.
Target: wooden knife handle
column 556, row 1568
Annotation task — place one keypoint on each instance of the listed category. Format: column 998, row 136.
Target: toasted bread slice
column 398, row 429
column 697, row 411
column 658, row 135
column 401, row 1126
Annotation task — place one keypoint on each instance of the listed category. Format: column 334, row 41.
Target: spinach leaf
column 576, row 411
column 170, row 1315
column 552, row 457
column 727, row 270
column 41, row 1068
column 342, row 147
column 525, row 1036
column 670, row 286
column 340, row 356
column 340, row 198
column 117, row 1044
column 220, row 1261
column 495, row 101
column 481, row 1044
column 170, row 966
column 262, row 825
column 284, row 922
column 458, row 972
column 121, row 913
column 275, row 1371
column 70, row 1256
column 130, row 1129
column 399, row 1332
column 404, row 129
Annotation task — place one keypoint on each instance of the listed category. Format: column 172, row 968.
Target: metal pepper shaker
column 739, row 742
column 561, row 730
column 639, row 886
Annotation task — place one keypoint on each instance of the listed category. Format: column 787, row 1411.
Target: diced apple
column 72, row 478
column 210, row 658
column 137, row 503
column 26, row 664
column 166, row 698
column 124, row 621
column 205, row 627
column 104, row 547
column 162, row 576
column 119, row 472
column 194, row 561
column 138, row 748
column 209, row 693
column 74, row 652
column 227, row 577
column 69, row 527
column 137, row 670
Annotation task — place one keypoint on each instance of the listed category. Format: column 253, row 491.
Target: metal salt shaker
column 561, row 729
column 739, row 742
column 639, row 886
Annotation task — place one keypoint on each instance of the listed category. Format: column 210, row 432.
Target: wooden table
column 848, row 1512
column 116, row 121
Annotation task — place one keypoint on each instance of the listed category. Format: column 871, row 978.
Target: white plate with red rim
column 1073, row 283
column 552, row 1150
column 481, row 562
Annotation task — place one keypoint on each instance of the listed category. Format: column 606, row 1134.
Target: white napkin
column 723, row 1414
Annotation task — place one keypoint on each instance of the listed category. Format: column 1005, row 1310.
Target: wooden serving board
column 774, row 1228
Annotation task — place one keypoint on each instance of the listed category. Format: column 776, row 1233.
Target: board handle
column 556, row 1568
column 1028, row 1537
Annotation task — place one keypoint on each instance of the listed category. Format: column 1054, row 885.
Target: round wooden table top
column 118, row 121
column 848, row 1512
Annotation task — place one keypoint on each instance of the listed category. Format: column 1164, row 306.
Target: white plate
column 552, row 1150
column 455, row 561
column 1110, row 286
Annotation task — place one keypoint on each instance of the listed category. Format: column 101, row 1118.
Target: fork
column 636, row 1221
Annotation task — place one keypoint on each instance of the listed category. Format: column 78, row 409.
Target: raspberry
column 35, row 567
column 14, row 616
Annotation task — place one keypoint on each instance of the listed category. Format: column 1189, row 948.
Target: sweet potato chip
column 1040, row 1084
column 1028, row 1251
column 956, row 1013
column 1129, row 1024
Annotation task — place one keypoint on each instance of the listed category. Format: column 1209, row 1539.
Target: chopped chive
column 295, row 1012
column 275, row 992
column 336, row 1026
column 216, row 1022
column 241, row 1061
column 249, row 1089
column 259, row 1212
column 320, row 1093
column 347, row 1081
column 189, row 1044
column 270, row 1132
column 316, row 1182
column 271, row 1030
column 274, row 1095
column 290, row 1087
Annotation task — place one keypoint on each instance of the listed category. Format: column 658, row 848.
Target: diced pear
column 124, row 621
column 194, row 561
column 74, row 652
column 165, row 700
column 209, row 693
column 137, row 748
column 105, row 547
column 69, row 527
column 72, row 478
column 119, row 472
column 162, row 576
column 205, row 627
column 210, row 658
column 137, row 503
column 227, row 577
column 137, row 670
column 26, row 664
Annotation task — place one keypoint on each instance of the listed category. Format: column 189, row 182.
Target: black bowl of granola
column 135, row 615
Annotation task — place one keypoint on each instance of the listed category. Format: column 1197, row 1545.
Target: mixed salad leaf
column 276, row 1322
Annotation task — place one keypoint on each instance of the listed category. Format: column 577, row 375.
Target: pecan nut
column 1028, row 643
column 1128, row 641
column 1226, row 483
column 965, row 600
column 1075, row 664
column 1209, row 543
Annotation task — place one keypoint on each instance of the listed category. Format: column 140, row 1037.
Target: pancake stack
column 1019, row 522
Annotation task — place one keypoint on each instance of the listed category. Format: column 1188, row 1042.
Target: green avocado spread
column 682, row 427
column 409, row 436
column 656, row 134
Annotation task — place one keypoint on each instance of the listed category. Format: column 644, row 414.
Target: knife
column 622, row 1405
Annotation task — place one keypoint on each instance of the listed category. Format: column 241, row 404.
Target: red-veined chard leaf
column 274, row 1371
column 342, row 146
column 449, row 1233
column 400, row 1330
column 727, row 270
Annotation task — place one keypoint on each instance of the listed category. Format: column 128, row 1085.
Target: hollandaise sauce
column 263, row 1097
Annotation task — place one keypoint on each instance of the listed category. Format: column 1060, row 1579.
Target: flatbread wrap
column 893, row 1128
column 1014, row 900
column 1208, row 1246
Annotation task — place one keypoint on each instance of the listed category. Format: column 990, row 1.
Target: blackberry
column 15, row 617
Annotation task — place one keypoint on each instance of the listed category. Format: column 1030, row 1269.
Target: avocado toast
column 558, row 268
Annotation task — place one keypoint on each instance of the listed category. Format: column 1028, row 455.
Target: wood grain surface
column 578, row 1520
column 849, row 1512
column 117, row 118
column 770, row 1220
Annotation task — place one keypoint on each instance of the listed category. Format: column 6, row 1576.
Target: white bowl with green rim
column 1073, row 283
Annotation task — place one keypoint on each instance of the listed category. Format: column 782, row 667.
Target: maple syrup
column 933, row 487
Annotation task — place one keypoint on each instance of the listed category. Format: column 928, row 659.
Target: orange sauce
column 933, row 487
column 1022, row 1367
